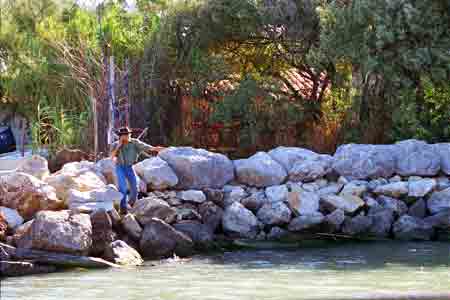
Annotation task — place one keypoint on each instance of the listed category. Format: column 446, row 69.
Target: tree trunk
column 374, row 118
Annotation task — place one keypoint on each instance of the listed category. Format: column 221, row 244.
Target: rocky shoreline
column 193, row 200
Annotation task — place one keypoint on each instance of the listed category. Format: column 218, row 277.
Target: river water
column 346, row 271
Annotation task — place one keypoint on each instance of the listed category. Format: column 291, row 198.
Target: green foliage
column 430, row 124
column 50, row 49
column 56, row 127
column 390, row 46
column 256, row 111
column 395, row 38
column 384, row 65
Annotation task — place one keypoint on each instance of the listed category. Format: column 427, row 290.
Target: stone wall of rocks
column 192, row 196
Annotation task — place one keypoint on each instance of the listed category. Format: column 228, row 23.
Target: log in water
column 56, row 259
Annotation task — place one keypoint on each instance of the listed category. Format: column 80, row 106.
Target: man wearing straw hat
column 125, row 153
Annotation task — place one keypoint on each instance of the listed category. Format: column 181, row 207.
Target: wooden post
column 127, row 99
column 94, row 120
column 112, row 102
column 22, row 144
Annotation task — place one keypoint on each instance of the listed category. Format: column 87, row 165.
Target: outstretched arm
column 143, row 147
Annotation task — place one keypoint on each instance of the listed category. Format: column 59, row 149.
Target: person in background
column 125, row 153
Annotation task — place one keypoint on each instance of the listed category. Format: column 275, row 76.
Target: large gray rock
column 311, row 169
column 315, row 185
column 331, row 189
column 115, row 218
column 239, row 221
column 303, row 203
column 215, row 196
column 198, row 168
column 356, row 161
column 107, row 167
column 295, row 186
column 81, row 176
column 439, row 201
column 444, row 153
column 102, row 233
column 211, row 215
column 277, row 233
column 200, row 234
column 395, row 189
column 333, row 221
column 259, row 170
column 192, row 196
column 35, row 165
column 233, row 194
column 156, row 173
column 410, row 228
column 121, row 253
column 160, row 240
column 289, row 156
column 255, row 201
column 11, row 216
column 348, row 203
column 90, row 207
column 357, row 225
column 132, row 227
column 371, row 203
column 418, row 209
column 59, row 231
column 439, row 220
column 421, row 188
column 107, row 195
column 146, row 209
column 274, row 213
column 374, row 183
column 27, row 194
column 417, row 158
column 398, row 206
column 187, row 213
column 395, row 178
column 277, row 193
column 382, row 220
column 442, row 183
column 306, row 222
column 20, row 234
column 354, row 188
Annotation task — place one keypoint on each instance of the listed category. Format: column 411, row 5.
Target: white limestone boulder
column 360, row 161
column 289, row 156
column 260, row 170
column 60, row 231
column 240, row 222
column 34, row 165
column 156, row 173
column 417, row 158
column 27, row 194
column 198, row 168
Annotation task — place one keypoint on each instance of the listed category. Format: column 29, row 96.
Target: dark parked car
column 7, row 141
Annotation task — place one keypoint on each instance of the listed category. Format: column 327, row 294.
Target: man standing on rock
column 125, row 153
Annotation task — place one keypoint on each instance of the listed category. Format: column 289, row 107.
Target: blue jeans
column 125, row 174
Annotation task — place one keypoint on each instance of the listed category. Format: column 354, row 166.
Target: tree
column 392, row 46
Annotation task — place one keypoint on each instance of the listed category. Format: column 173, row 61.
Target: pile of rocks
column 190, row 196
